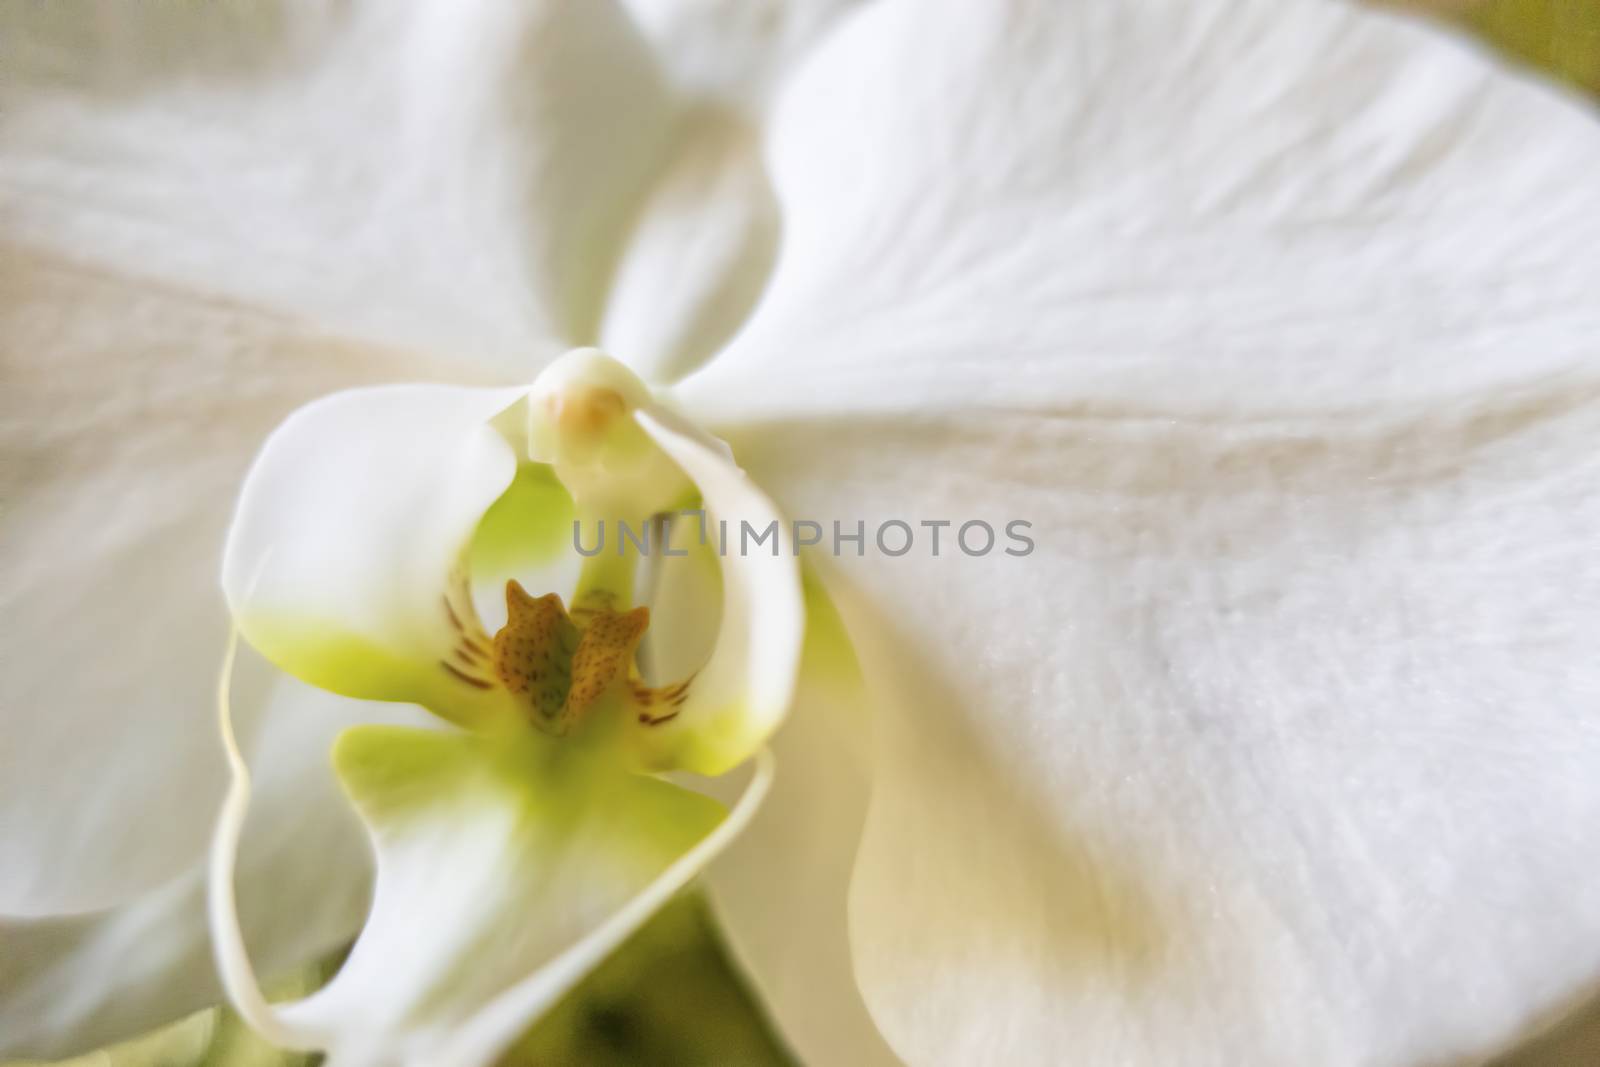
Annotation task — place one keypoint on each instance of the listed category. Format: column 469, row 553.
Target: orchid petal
column 346, row 561
column 741, row 694
column 129, row 415
column 69, row 985
column 700, row 252
column 458, row 177
column 1273, row 749
column 781, row 891
column 734, row 51
column 1275, row 320
column 1155, row 226
column 703, row 245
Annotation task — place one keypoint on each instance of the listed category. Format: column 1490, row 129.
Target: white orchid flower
column 1275, row 319
column 514, row 855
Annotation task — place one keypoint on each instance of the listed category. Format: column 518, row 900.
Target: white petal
column 129, row 416
column 700, row 253
column 1276, row 321
column 703, row 245
column 1277, row 748
column 743, row 691
column 459, row 176
column 345, row 563
column 781, row 890
column 505, row 873
column 735, row 51
column 1175, row 208
column 71, row 985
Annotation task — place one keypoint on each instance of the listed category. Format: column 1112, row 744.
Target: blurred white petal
column 129, row 416
column 735, row 51
column 701, row 251
column 1275, row 749
column 1276, row 321
column 454, row 176
column 706, row 235
column 781, row 891
column 73, row 984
